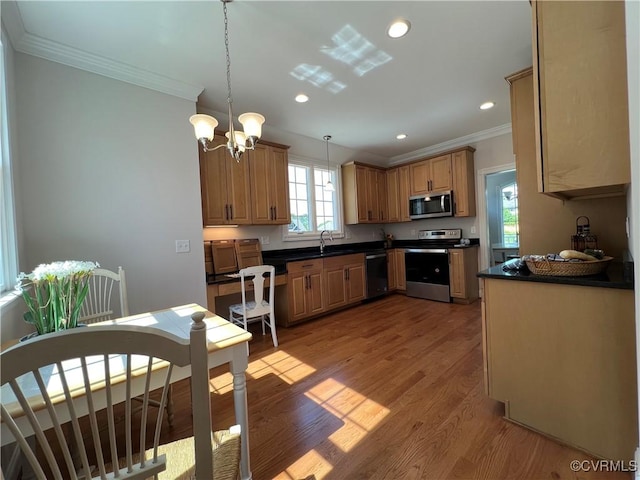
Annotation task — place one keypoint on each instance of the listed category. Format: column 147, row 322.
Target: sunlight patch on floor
column 311, row 461
column 359, row 413
column 286, row 367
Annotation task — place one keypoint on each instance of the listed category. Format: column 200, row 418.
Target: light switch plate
column 264, row 240
column 183, row 246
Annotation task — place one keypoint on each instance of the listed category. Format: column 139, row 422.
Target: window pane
column 312, row 208
column 510, row 231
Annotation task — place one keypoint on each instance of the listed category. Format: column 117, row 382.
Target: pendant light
column 329, row 186
column 204, row 125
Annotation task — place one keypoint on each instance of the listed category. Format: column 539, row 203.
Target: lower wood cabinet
column 304, row 285
column 563, row 360
column 463, row 267
column 320, row 285
column 396, row 273
column 401, row 271
column 344, row 280
column 392, row 274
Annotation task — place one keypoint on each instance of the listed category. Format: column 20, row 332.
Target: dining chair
column 46, row 379
column 257, row 309
column 97, row 305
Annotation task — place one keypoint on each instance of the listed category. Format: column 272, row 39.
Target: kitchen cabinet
column 392, row 273
column 562, row 358
column 547, row 223
column 580, row 92
column 268, row 169
column 364, row 194
column 304, row 286
column 464, row 183
column 225, row 188
column 344, row 280
column 401, row 272
column 431, row 175
column 463, row 267
column 398, row 194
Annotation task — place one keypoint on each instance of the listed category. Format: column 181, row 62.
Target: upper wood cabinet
column 398, row 194
column 432, row 175
column 364, row 191
column 225, row 188
column 268, row 168
column 464, row 183
column 580, row 90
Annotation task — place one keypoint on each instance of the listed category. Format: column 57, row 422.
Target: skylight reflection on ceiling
column 318, row 77
column 351, row 48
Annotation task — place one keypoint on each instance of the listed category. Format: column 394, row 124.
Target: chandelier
column 237, row 141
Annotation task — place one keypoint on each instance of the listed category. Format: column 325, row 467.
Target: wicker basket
column 568, row 269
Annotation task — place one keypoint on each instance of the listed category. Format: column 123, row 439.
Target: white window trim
column 8, row 236
column 315, row 236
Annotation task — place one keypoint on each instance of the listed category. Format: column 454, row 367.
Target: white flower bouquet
column 54, row 293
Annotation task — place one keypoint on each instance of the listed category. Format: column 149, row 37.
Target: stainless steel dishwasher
column 376, row 265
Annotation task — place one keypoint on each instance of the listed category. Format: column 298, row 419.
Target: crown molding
column 451, row 144
column 25, row 42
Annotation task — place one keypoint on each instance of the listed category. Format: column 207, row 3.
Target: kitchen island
column 559, row 352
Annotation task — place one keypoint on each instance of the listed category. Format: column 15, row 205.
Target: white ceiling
column 429, row 84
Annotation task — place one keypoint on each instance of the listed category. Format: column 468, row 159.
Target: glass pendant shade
column 252, row 124
column 240, row 138
column 329, row 186
column 204, row 126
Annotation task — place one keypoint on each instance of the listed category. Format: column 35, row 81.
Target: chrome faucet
column 322, row 239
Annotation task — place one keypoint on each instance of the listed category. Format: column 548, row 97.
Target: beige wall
column 546, row 224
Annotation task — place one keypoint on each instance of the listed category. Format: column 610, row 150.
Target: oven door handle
column 379, row 255
column 426, row 250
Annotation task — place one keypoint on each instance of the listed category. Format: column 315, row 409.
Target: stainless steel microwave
column 436, row 204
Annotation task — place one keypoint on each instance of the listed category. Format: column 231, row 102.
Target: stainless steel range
column 427, row 265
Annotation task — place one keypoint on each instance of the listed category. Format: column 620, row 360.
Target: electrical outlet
column 413, row 232
column 264, row 240
column 183, row 246
column 473, row 229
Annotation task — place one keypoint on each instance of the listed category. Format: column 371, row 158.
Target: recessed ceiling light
column 401, row 136
column 301, row 98
column 487, row 105
column 398, row 28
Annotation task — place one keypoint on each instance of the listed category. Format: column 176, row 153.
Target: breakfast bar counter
column 560, row 353
column 616, row 276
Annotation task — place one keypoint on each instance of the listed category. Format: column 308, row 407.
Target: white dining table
column 227, row 344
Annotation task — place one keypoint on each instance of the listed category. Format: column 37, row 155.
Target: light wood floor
column 391, row 389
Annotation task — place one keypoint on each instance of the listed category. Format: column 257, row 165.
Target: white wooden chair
column 243, row 313
column 106, row 363
column 97, row 307
column 97, row 304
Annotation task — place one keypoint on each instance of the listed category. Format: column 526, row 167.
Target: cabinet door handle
column 230, row 212
column 271, row 213
column 348, row 274
column 275, row 213
column 345, row 274
column 226, row 212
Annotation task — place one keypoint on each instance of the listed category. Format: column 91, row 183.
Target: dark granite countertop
column 616, row 276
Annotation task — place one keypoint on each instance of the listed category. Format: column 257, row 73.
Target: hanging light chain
column 226, row 46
